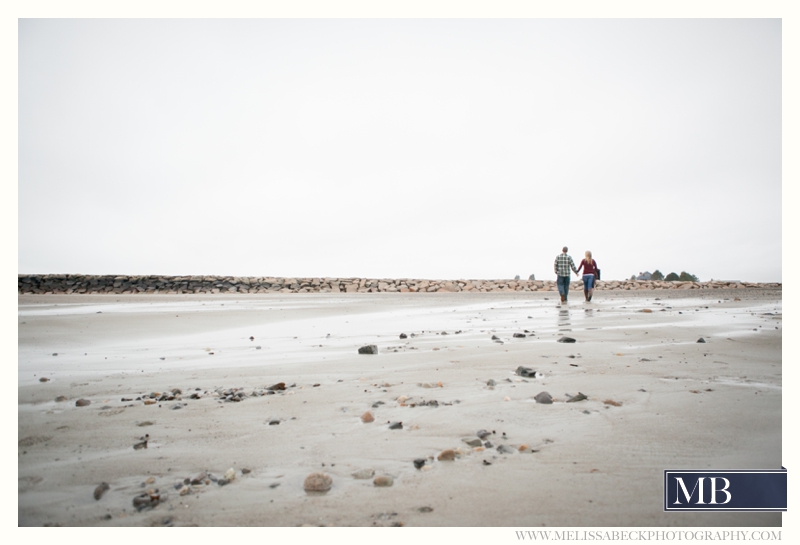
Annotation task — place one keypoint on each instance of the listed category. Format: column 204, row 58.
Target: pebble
column 701, row 340
column 150, row 480
column 100, row 490
column 365, row 473
column 525, row 372
column 59, row 399
column 472, row 441
column 544, row 397
column 317, row 482
column 519, row 335
column 566, row 340
column 491, row 382
column 367, row 417
column 368, row 349
column 483, row 434
column 505, row 449
column 383, row 480
column 612, row 402
column 274, row 421
column 419, row 462
column 82, row 403
column 396, row 426
column 446, row 455
column 245, row 471
column 579, row 397
column 425, row 509
column 230, row 474
column 403, row 336
column 44, row 379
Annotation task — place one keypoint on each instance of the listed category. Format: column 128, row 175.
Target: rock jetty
column 116, row 284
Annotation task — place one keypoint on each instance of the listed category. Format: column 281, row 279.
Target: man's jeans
column 563, row 285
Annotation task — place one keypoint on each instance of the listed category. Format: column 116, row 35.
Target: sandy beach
column 165, row 370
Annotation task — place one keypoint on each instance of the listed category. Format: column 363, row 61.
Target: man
column 562, row 266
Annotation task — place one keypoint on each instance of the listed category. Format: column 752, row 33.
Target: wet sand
column 657, row 399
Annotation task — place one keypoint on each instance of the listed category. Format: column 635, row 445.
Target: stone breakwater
column 79, row 283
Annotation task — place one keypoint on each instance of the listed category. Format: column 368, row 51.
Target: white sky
column 428, row 148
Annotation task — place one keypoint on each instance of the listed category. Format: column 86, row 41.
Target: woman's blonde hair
column 588, row 257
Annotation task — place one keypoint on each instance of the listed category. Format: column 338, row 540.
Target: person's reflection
column 563, row 319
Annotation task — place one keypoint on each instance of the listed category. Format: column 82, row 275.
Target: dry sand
column 677, row 404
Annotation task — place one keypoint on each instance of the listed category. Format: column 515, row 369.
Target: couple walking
column 562, row 266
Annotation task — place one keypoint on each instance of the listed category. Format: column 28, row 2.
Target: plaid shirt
column 563, row 264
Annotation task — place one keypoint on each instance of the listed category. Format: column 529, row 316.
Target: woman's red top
column 588, row 268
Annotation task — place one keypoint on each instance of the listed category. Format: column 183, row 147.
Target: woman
column 589, row 267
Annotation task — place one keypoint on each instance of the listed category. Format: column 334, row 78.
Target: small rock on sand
column 396, row 426
column 544, row 397
column 59, row 399
column 525, row 372
column 505, row 449
column 367, row 417
column 403, row 336
column 419, row 462
column 612, row 403
column 383, row 480
column 446, row 455
column 44, row 379
column 483, row 434
column 317, row 482
column 701, row 340
column 368, row 349
column 579, row 397
column 82, row 403
column 230, row 474
column 472, row 441
column 100, row 490
column 566, row 340
column 365, row 473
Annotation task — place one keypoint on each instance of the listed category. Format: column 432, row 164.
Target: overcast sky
column 427, row 148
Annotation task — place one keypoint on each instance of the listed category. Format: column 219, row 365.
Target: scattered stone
column 274, row 421
column 612, row 402
column 245, row 471
column 230, row 474
column 55, row 353
column 495, row 338
column 82, row 403
column 383, row 480
column 579, row 397
column 491, row 383
column 145, row 423
column 150, row 480
column 425, row 509
column 100, row 490
column 150, row 401
column 139, row 446
column 525, row 372
column 566, row 340
column 44, row 379
column 396, row 426
column 646, row 310
column 277, row 387
column 366, row 473
column 59, row 399
column 523, row 448
column 403, row 336
column 367, row 417
column 473, row 442
column 487, row 463
column 447, row 455
column 519, row 335
column 483, row 434
column 419, row 462
column 317, row 482
column 505, row 449
column 488, row 444
column 544, row 397
column 368, row 349
column 701, row 340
